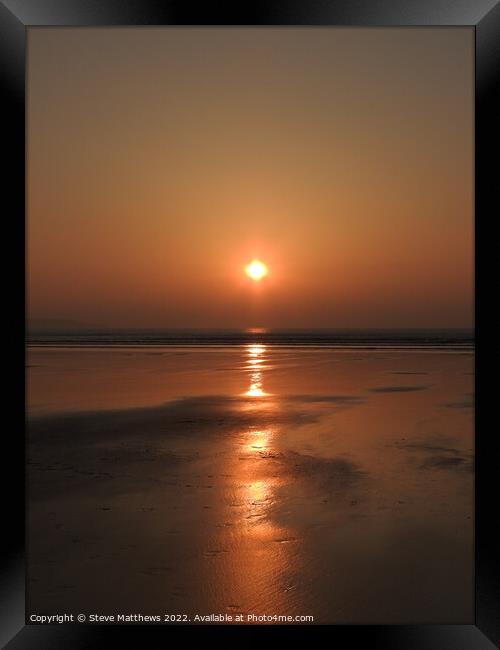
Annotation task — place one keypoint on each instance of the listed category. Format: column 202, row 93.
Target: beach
column 330, row 482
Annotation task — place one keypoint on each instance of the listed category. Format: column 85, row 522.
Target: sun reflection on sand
column 259, row 491
column 263, row 553
column 254, row 363
column 262, row 568
column 259, row 440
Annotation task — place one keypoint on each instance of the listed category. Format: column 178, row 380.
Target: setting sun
column 256, row 270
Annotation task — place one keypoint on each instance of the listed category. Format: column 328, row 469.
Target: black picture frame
column 16, row 16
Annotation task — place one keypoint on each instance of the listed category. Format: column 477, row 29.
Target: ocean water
column 317, row 337
column 332, row 479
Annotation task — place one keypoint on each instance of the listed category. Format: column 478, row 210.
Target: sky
column 161, row 161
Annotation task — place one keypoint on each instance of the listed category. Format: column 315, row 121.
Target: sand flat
column 252, row 479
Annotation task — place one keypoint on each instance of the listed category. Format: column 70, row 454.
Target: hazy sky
column 161, row 160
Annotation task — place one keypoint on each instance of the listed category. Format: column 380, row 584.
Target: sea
column 350, row 338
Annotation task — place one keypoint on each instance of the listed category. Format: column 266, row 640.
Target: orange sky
column 162, row 160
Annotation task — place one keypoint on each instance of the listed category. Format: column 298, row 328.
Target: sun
column 256, row 270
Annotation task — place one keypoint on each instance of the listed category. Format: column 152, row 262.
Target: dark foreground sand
column 252, row 480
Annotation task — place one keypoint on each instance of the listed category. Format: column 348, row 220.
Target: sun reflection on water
column 256, row 350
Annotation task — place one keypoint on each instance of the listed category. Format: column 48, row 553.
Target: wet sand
column 298, row 481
